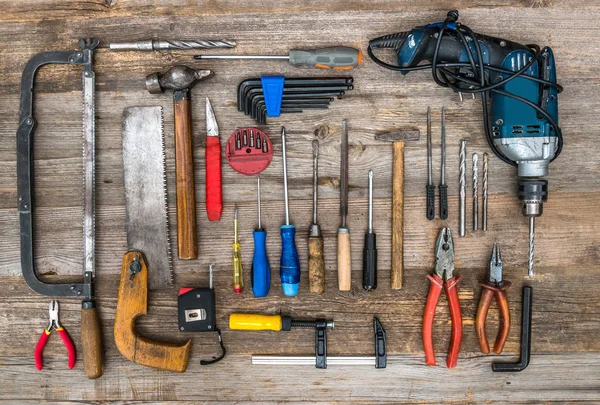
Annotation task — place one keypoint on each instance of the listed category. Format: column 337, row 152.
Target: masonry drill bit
column 485, row 192
column 430, row 189
column 475, row 190
column 531, row 243
column 443, row 187
column 150, row 45
column 463, row 187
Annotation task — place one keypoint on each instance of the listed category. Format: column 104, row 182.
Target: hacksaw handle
column 398, row 216
column 91, row 340
column 187, row 242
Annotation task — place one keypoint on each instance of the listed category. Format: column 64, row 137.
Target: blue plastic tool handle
column 273, row 91
column 289, row 264
column 261, row 271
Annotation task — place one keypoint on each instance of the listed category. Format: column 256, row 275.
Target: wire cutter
column 54, row 325
column 494, row 287
column 443, row 276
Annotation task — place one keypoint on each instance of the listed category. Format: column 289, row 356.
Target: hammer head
column 177, row 78
column 399, row 136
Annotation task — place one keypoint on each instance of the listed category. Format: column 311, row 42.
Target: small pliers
column 54, row 325
column 443, row 276
column 494, row 287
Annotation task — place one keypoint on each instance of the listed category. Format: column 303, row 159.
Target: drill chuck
column 533, row 194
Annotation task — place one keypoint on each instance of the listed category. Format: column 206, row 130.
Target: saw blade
column 146, row 191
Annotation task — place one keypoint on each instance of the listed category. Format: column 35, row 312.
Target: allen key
column 251, row 104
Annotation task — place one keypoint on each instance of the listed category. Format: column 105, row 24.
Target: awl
column 214, row 196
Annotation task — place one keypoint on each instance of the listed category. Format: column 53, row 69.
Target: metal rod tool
column 485, row 192
column 443, row 187
column 150, row 45
column 475, row 191
column 343, row 251
column 430, row 197
column 463, row 187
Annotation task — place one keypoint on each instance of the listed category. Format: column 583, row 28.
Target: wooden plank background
column 566, row 351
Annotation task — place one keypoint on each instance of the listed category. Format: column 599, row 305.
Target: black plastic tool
column 525, row 337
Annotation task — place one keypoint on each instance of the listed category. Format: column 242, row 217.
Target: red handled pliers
column 494, row 287
column 443, row 276
column 54, row 325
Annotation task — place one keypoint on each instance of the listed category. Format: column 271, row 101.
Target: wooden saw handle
column 91, row 340
column 187, row 242
column 132, row 302
column 398, row 216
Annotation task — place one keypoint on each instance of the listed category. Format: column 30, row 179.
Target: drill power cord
column 476, row 80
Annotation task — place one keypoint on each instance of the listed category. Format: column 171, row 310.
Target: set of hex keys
column 298, row 94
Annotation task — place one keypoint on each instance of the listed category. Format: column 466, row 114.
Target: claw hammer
column 398, row 138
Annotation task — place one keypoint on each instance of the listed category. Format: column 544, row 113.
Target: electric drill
column 520, row 81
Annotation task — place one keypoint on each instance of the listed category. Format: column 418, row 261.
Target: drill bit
column 150, row 45
column 475, row 189
column 463, row 187
column 430, row 190
column 485, row 192
column 531, row 243
column 443, row 187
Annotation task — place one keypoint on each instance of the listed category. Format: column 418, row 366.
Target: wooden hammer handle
column 187, row 242
column 398, row 216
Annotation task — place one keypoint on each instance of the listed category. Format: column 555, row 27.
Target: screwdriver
column 430, row 188
column 270, row 322
column 289, row 263
column 261, row 271
column 316, row 265
column 336, row 58
column 343, row 252
column 236, row 261
column 370, row 249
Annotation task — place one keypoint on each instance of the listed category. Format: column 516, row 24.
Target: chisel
column 343, row 251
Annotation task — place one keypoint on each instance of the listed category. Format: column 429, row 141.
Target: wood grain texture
column 397, row 272
column 344, row 261
column 565, row 327
column 316, row 265
column 132, row 302
column 187, row 235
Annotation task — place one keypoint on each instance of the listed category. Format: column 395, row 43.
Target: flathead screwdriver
column 289, row 263
column 316, row 264
column 336, row 57
column 261, row 271
column 370, row 249
column 236, row 259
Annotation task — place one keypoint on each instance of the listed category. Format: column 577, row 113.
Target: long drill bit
column 150, row 45
column 531, row 243
column 475, row 190
column 430, row 190
column 463, row 187
column 485, row 192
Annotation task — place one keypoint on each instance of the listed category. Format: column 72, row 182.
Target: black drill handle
column 443, row 202
column 430, row 202
column 370, row 262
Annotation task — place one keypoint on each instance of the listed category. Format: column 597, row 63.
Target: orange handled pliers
column 443, row 276
column 494, row 287
column 54, row 325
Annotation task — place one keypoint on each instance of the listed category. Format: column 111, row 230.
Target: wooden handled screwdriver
column 398, row 138
column 343, row 251
column 316, row 264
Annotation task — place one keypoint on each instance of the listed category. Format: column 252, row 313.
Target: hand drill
column 519, row 79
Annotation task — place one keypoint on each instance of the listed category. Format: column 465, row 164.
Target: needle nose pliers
column 54, row 325
column 494, row 287
column 443, row 276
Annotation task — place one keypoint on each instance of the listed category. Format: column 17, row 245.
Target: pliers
column 494, row 287
column 54, row 325
column 443, row 276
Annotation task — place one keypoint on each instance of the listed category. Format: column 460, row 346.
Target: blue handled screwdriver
column 261, row 271
column 289, row 262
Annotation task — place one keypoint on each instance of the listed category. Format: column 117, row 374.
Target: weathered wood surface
column 566, row 321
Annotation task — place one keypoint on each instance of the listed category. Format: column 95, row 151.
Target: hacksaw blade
column 146, row 191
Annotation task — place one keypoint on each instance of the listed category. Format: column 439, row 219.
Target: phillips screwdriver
column 261, row 271
column 289, row 263
column 370, row 249
column 343, row 251
column 236, row 260
column 336, row 58
column 316, row 264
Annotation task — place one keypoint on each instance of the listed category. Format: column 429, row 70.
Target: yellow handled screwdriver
column 335, row 57
column 269, row 322
column 236, row 260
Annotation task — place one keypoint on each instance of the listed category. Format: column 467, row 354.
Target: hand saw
column 148, row 262
column 91, row 336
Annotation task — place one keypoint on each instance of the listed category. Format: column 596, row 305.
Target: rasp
column 145, row 191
